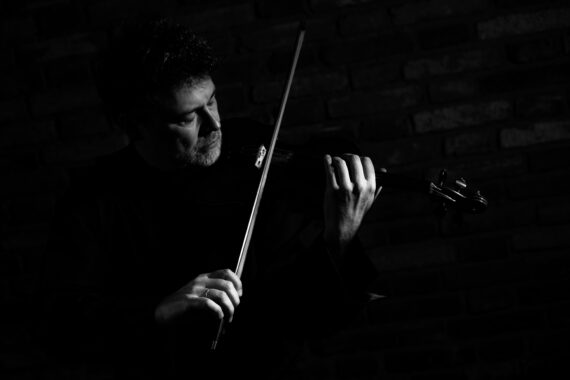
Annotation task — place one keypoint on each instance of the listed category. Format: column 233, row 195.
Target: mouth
column 212, row 140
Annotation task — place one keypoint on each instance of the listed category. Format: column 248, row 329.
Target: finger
column 204, row 303
column 226, row 287
column 342, row 173
column 229, row 275
column 329, row 172
column 221, row 298
column 369, row 174
column 379, row 189
column 355, row 169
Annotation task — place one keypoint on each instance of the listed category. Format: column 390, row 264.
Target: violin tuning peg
column 442, row 177
column 461, row 183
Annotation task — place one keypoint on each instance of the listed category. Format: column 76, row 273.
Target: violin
column 302, row 163
column 457, row 195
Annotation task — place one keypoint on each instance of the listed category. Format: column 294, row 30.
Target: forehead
column 186, row 98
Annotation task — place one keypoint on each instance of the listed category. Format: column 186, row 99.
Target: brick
column 38, row 181
column 535, row 50
column 543, row 238
column 395, row 97
column 451, row 90
column 385, row 127
column 506, row 4
column 487, row 274
column 242, row 68
column 481, row 249
column 218, row 18
column 425, row 282
column 304, row 111
column 411, row 231
column 461, row 116
column 552, row 159
column 502, row 349
column 537, row 133
column 7, row 58
column 491, row 299
column 357, row 50
column 83, row 123
column 524, row 80
column 19, row 30
column 59, row 100
column 67, row 72
column 371, row 21
column 60, row 19
column 443, row 36
column 13, row 109
column 418, row 360
column 355, row 340
column 69, row 153
column 280, row 8
column 315, row 84
column 471, row 142
column 361, row 365
column 541, row 105
column 559, row 316
column 495, row 325
column 270, row 38
column 497, row 217
column 521, row 23
column 549, row 343
column 27, row 134
column 420, row 333
column 320, row 5
column 400, row 258
column 549, row 185
column 59, row 48
column 279, row 62
column 412, row 13
column 553, row 211
column 452, row 63
column 13, row 83
column 400, row 152
column 374, row 75
column 543, row 293
column 476, row 169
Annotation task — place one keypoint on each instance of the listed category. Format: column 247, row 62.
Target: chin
column 201, row 158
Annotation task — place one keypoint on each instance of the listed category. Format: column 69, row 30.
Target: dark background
column 479, row 87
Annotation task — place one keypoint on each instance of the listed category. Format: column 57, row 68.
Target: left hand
column 349, row 194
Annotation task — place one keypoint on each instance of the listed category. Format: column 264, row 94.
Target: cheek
column 186, row 137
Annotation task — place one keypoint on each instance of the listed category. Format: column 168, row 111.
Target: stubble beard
column 204, row 154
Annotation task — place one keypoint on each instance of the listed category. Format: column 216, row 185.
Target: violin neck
column 397, row 181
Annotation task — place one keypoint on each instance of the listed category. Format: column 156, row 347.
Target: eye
column 186, row 120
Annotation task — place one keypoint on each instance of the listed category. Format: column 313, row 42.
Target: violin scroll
column 457, row 195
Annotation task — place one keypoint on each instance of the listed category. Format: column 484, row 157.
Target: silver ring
column 205, row 293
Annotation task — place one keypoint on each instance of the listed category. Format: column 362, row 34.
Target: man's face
column 184, row 129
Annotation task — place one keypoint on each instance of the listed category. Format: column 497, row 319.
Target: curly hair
column 147, row 58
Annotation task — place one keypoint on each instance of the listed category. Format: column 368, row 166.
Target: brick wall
column 479, row 87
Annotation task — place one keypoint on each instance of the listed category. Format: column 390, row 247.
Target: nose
column 210, row 121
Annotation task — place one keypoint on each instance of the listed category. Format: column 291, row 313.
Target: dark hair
column 148, row 57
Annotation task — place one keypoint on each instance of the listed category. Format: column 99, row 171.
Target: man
column 139, row 269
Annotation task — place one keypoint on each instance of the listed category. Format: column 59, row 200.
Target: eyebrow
column 194, row 109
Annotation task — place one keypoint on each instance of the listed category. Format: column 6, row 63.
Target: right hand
column 217, row 292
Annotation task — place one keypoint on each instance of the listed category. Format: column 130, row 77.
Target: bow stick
column 256, row 202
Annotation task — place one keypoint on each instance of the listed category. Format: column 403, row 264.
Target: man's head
column 155, row 80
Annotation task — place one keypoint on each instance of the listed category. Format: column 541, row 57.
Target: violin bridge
column 260, row 156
